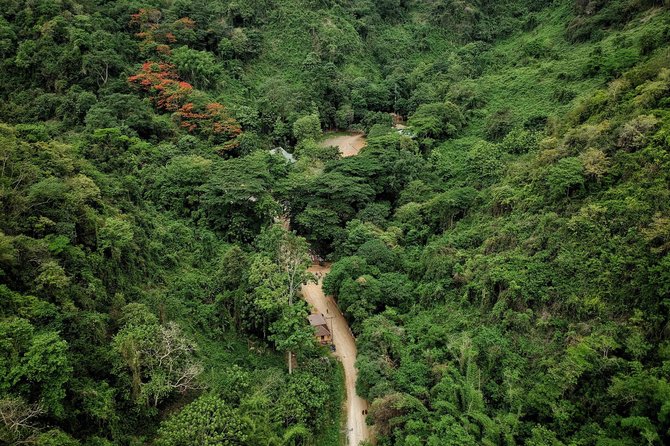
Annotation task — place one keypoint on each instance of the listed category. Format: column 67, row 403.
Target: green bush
column 499, row 124
column 437, row 120
column 307, row 127
column 207, row 420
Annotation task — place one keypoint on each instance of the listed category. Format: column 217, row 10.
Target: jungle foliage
column 504, row 261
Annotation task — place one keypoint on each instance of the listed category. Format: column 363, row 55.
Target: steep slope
column 502, row 261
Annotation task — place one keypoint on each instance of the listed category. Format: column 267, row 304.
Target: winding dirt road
column 345, row 345
column 349, row 144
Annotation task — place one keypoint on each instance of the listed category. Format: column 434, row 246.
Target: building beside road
column 321, row 330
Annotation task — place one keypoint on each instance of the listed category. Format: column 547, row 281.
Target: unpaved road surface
column 349, row 145
column 345, row 345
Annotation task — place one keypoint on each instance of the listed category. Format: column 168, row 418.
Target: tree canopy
column 500, row 246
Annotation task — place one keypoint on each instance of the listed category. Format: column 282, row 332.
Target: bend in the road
column 345, row 350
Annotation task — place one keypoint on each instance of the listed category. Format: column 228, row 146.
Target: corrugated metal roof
column 280, row 151
column 317, row 319
column 321, row 330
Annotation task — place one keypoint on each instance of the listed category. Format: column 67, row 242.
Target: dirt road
column 349, row 145
column 357, row 430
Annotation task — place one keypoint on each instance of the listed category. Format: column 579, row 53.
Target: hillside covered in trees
column 503, row 259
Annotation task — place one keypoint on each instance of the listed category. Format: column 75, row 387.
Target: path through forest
column 349, row 144
column 345, row 344
column 345, row 349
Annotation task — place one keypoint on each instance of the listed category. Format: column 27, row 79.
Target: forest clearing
column 348, row 144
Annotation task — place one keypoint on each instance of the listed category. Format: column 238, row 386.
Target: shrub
column 208, row 420
column 437, row 120
column 634, row 134
column 307, row 127
column 519, row 141
column 564, row 176
column 499, row 124
column 344, row 117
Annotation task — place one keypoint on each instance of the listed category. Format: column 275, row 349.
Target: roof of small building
column 317, row 319
column 280, row 151
column 321, row 330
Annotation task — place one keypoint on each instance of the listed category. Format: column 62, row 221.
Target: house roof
column 280, row 151
column 317, row 320
column 321, row 330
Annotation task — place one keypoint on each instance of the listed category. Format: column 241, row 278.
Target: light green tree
column 161, row 359
column 206, row 421
column 276, row 277
column 307, row 127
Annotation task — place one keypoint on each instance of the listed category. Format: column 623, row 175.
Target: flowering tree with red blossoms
column 161, row 81
column 169, row 93
column 213, row 121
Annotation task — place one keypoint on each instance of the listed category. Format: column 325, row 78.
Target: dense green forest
column 503, row 261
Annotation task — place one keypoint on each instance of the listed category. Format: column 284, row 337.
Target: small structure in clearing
column 281, row 152
column 321, row 330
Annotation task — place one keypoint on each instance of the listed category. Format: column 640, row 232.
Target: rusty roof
column 317, row 319
column 321, row 330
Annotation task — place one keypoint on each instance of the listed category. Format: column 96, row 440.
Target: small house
column 321, row 331
column 281, row 152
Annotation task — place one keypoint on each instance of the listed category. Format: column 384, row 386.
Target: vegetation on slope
column 503, row 262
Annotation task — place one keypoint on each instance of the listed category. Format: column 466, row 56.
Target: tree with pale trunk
column 276, row 276
column 18, row 419
column 161, row 359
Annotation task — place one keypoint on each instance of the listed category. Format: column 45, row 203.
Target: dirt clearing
column 349, row 144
